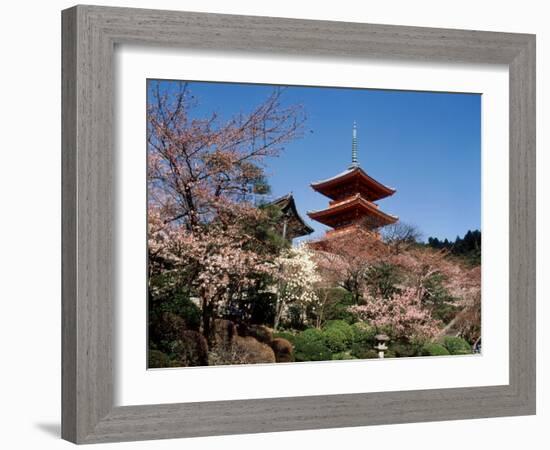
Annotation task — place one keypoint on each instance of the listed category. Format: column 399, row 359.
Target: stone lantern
column 381, row 346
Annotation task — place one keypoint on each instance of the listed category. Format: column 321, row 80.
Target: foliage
column 251, row 351
column 264, row 230
column 437, row 297
column 363, row 352
column 434, row 349
column 204, row 233
column 182, row 347
column 400, row 235
column 216, row 261
column 344, row 263
column 332, row 303
column 283, row 349
column 164, row 330
column 290, row 337
column 259, row 332
column 243, row 350
column 190, row 349
column 382, row 280
column 338, row 335
column 158, row 359
column 343, row 356
column 296, row 317
column 404, row 349
column 176, row 302
column 467, row 322
column 363, row 341
column 467, row 247
column 363, row 333
column 309, row 345
column 457, row 345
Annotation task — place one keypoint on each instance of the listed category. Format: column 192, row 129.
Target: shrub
column 362, row 350
column 178, row 303
column 335, row 340
column 191, row 313
column 283, row 349
column 338, row 335
column 311, row 334
column 165, row 328
column 285, row 335
column 158, row 359
column 457, row 345
column 364, row 353
column 363, row 333
column 342, row 356
column 251, row 351
column 363, row 341
column 405, row 349
column 433, row 349
column 310, row 345
column 224, row 331
column 191, row 349
column 260, row 332
column 166, row 332
column 338, row 306
column 243, row 350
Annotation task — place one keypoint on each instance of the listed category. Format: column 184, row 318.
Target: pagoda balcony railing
column 345, row 199
column 352, row 228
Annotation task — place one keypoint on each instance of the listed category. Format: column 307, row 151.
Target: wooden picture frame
column 90, row 34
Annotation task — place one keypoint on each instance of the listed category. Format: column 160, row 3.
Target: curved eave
column 367, row 207
column 287, row 201
column 380, row 190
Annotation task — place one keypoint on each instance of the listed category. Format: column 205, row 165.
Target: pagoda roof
column 357, row 204
column 297, row 225
column 372, row 189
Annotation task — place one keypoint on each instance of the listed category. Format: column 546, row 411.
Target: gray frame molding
column 89, row 36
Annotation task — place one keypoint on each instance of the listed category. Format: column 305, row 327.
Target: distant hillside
column 467, row 247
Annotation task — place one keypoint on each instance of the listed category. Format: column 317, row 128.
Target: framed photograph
column 278, row 224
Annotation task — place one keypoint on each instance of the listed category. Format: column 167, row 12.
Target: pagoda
column 352, row 194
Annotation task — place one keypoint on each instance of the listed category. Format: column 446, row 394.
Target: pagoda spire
column 354, row 162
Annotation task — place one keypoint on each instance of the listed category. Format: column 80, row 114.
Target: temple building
column 352, row 195
column 291, row 225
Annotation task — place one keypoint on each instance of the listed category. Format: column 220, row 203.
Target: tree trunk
column 278, row 314
column 207, row 321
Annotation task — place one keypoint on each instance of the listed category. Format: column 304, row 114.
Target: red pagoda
column 352, row 193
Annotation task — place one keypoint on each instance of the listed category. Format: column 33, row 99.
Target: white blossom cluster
column 297, row 276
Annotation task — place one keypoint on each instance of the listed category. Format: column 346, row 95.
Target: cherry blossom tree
column 400, row 236
column 467, row 322
column 421, row 264
column 349, row 256
column 408, row 309
column 217, row 262
column 402, row 315
column 199, row 166
column 203, row 228
column 409, row 312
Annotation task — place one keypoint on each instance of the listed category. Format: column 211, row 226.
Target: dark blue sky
column 426, row 145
